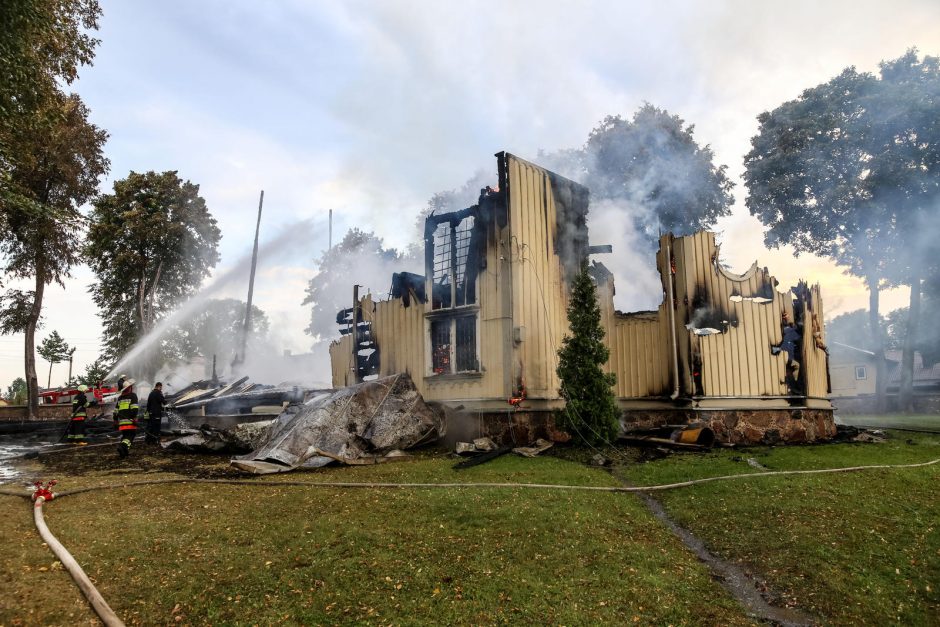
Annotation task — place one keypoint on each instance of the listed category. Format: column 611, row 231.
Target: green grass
column 302, row 554
column 852, row 548
column 917, row 422
column 848, row 548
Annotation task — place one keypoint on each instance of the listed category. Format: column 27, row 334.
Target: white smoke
column 286, row 243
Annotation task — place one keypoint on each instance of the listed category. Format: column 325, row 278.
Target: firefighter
column 155, row 405
column 126, row 417
column 121, row 381
column 79, row 413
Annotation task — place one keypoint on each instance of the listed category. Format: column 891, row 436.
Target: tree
column 16, row 393
column 360, row 259
column 58, row 163
column 42, row 45
column 590, row 409
column 215, row 330
column 150, row 243
column 50, row 155
column 53, row 349
column 850, row 170
column 926, row 339
column 94, row 372
column 654, row 167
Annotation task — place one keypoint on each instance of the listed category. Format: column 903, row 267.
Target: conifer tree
column 591, row 413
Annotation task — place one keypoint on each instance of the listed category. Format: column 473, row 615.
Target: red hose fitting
column 44, row 490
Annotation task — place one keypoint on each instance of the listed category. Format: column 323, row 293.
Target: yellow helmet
column 83, row 388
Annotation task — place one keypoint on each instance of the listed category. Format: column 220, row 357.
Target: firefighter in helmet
column 126, row 417
column 76, row 434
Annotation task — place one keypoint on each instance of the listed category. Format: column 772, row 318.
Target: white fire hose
column 101, row 607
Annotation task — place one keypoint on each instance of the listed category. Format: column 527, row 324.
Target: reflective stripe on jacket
column 126, row 411
column 78, row 406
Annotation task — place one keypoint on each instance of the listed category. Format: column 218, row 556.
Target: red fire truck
column 65, row 395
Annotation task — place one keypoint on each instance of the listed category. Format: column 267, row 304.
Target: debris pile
column 367, row 423
column 239, row 398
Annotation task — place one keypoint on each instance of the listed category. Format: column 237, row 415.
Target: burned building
column 480, row 331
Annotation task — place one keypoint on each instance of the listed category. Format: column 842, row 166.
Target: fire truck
column 65, row 395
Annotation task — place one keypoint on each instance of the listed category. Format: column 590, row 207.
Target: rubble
column 364, row 423
column 479, row 445
column 540, row 446
column 241, row 438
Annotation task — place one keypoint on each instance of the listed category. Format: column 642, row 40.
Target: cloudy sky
column 369, row 108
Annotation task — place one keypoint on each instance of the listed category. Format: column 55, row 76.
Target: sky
column 369, row 108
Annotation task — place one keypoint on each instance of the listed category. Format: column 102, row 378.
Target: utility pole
column 251, row 285
column 331, row 230
column 71, row 354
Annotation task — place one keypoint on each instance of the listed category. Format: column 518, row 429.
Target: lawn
column 264, row 554
column 849, row 548
column 916, row 422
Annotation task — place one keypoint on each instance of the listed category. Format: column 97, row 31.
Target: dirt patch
column 144, row 459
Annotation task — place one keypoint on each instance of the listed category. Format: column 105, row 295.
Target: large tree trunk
column 906, row 394
column 878, row 342
column 150, row 360
column 32, row 381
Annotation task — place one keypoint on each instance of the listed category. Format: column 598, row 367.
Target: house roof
column 924, row 376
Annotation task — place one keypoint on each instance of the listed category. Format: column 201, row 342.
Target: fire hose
column 43, row 493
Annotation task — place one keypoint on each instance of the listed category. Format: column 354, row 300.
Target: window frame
column 864, row 372
column 452, row 312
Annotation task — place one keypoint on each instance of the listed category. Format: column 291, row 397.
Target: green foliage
column 360, row 258
column 16, row 392
column 94, row 372
column 42, row 45
column 927, row 337
column 653, row 162
column 150, row 243
column 15, row 307
column 591, row 413
column 215, row 330
column 54, row 349
column 850, row 170
column 59, row 162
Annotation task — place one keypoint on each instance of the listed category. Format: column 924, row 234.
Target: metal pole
column 251, row 284
column 331, row 230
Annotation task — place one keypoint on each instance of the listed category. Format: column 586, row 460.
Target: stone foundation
column 742, row 426
column 517, row 428
column 731, row 426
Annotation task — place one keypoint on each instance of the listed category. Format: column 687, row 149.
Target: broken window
column 440, row 346
column 442, row 267
column 454, row 342
column 454, row 258
column 466, row 331
column 453, row 272
column 464, row 288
